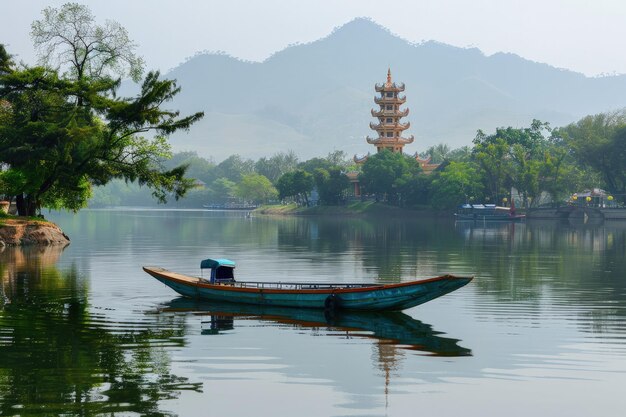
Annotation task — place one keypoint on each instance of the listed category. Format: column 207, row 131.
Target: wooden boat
column 488, row 212
column 220, row 285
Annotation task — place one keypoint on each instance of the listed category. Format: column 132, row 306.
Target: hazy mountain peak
column 362, row 27
column 317, row 97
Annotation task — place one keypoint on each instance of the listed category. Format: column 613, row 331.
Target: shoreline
column 24, row 231
column 359, row 209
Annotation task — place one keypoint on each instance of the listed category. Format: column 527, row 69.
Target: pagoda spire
column 389, row 76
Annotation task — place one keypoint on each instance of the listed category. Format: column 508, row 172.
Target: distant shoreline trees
column 598, row 143
column 537, row 161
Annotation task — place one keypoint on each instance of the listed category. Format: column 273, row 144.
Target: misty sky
column 586, row 36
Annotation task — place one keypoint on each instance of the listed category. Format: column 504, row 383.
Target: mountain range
column 315, row 98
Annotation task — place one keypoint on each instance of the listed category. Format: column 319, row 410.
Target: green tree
column 560, row 174
column 331, row 185
column 418, row 191
column 492, row 157
column 310, row 165
column 65, row 135
column 6, row 61
column 69, row 38
column 335, row 159
column 11, row 183
column 221, row 190
column 388, row 175
column 297, row 184
column 338, row 158
column 234, row 168
column 197, row 167
column 437, row 153
column 599, row 143
column 458, row 182
column 276, row 165
column 462, row 154
column 525, row 158
column 255, row 188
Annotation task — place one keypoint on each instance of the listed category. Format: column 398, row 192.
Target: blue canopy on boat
column 214, row 263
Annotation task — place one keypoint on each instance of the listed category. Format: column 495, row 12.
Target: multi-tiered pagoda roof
column 389, row 127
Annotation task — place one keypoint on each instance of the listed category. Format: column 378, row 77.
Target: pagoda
column 389, row 126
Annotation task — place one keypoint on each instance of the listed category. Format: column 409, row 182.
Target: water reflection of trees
column 568, row 264
column 391, row 249
column 59, row 357
column 577, row 267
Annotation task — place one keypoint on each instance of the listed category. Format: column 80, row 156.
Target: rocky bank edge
column 15, row 232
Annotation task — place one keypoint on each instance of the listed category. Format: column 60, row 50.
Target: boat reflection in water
column 394, row 328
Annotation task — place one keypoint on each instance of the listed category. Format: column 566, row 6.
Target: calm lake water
column 539, row 332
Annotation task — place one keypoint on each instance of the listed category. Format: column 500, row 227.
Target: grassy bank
column 10, row 219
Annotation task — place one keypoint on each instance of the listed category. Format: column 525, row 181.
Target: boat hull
column 490, row 218
column 375, row 297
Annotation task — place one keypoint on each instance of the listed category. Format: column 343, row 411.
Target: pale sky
column 586, row 36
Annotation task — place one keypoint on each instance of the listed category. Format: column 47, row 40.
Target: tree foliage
column 437, row 153
column 198, row 168
column 388, row 175
column 221, row 190
column 6, row 60
column 256, row 188
column 235, row 167
column 331, row 185
column 314, row 164
column 296, row 184
column 62, row 148
column 599, row 142
column 66, row 133
column 532, row 160
column 458, row 182
column 276, row 165
column 462, row 154
column 68, row 38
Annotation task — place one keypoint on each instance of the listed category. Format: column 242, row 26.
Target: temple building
column 389, row 126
